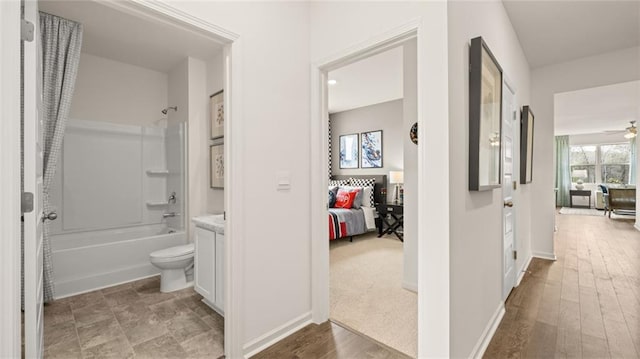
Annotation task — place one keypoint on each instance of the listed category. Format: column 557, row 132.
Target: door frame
column 433, row 152
column 232, row 56
column 508, row 85
column 10, row 262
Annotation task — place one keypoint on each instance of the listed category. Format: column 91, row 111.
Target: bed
column 345, row 223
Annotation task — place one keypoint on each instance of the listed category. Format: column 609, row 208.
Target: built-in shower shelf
column 157, row 203
column 157, row 172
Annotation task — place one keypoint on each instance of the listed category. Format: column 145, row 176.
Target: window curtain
column 61, row 42
column 563, row 171
column 633, row 166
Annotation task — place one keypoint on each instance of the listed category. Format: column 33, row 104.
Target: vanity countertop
column 211, row 222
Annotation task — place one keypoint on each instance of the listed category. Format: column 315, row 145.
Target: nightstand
column 392, row 216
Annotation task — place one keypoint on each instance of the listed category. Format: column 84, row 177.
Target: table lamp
column 397, row 178
column 580, row 174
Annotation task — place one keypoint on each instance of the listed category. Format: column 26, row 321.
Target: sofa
column 620, row 200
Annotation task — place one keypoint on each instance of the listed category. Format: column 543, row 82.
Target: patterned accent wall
column 329, row 162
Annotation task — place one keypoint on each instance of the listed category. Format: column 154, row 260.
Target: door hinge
column 26, row 30
column 27, row 202
column 515, row 184
column 515, row 255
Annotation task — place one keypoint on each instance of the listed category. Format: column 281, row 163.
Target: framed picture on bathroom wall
column 217, row 166
column 216, row 103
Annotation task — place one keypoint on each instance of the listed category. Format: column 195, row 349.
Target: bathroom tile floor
column 133, row 320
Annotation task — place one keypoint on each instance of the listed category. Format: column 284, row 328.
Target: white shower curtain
column 61, row 42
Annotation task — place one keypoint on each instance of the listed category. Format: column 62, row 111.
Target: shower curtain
column 61, row 42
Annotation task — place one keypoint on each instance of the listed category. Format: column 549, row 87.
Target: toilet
column 173, row 262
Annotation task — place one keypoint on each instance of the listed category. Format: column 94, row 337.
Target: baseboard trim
column 523, row 270
column 410, row 287
column 637, row 226
column 543, row 255
column 264, row 341
column 487, row 334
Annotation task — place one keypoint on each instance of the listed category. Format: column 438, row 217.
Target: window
column 583, row 158
column 614, row 161
column 601, row 163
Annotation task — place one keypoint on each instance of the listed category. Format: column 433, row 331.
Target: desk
column 392, row 215
column 580, row 193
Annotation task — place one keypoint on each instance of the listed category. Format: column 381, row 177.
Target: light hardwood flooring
column 586, row 304
column 133, row 320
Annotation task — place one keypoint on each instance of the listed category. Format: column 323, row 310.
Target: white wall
column 198, row 152
column 179, row 96
column 476, row 217
column 112, row 91
column 215, row 72
column 386, row 116
column 606, row 69
column 597, row 139
column 410, row 156
column 339, row 26
column 188, row 90
column 274, row 88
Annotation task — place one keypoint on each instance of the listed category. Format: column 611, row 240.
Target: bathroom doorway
column 125, row 186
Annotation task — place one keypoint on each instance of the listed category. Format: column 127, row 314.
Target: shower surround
column 112, row 188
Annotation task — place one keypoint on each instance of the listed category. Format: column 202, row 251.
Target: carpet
column 593, row 212
column 366, row 291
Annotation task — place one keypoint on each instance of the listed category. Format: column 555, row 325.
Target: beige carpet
column 367, row 294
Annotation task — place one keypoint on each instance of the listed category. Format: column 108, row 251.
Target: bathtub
column 86, row 261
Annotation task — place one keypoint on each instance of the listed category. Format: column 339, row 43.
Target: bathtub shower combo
column 120, row 191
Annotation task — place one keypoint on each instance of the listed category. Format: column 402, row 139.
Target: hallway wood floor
column 585, row 304
column 327, row 341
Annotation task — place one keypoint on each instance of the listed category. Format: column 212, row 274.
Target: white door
column 509, row 123
column 33, row 181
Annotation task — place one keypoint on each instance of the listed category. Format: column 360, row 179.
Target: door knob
column 508, row 204
column 50, row 216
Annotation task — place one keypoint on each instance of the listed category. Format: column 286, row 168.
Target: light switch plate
column 283, row 180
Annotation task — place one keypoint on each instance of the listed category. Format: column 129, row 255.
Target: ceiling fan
column 629, row 132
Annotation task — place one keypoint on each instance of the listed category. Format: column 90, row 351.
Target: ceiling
column 558, row 31
column 373, row 80
column 131, row 39
column 597, row 109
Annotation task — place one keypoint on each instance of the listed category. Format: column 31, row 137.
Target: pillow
column 367, row 197
column 338, row 182
column 332, row 198
column 345, row 198
column 359, row 201
column 365, row 182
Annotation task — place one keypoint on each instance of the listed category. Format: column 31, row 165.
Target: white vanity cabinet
column 204, row 266
column 209, row 266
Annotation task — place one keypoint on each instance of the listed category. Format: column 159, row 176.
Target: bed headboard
column 381, row 182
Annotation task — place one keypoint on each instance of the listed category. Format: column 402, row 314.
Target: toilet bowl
column 173, row 263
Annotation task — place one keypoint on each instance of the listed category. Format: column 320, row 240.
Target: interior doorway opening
column 395, row 199
column 158, row 53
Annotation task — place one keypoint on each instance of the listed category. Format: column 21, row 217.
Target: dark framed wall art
column 485, row 117
column 216, row 103
column 216, row 176
column 349, row 153
column 526, row 145
column 371, row 154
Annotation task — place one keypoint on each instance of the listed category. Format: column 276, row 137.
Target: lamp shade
column 579, row 173
column 396, row 177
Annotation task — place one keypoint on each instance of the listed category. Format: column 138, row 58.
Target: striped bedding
column 346, row 222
